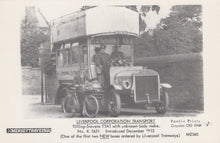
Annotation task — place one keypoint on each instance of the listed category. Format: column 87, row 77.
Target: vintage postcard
column 109, row 71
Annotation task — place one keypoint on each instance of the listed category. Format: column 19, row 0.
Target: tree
column 180, row 32
column 31, row 38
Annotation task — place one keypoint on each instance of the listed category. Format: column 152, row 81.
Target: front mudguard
column 163, row 104
column 165, row 85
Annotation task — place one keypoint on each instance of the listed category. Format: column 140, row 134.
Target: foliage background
column 180, row 32
column 31, row 38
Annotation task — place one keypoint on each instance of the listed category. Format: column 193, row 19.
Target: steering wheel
column 118, row 62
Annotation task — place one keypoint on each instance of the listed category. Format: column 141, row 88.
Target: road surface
column 34, row 109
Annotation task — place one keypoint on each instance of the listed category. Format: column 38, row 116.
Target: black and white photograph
column 116, row 60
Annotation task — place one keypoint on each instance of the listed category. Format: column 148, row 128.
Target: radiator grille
column 146, row 84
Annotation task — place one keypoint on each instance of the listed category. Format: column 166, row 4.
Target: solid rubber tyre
column 162, row 107
column 114, row 105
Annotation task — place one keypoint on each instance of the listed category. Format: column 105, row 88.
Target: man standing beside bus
column 103, row 61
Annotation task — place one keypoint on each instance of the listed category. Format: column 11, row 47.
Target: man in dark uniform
column 103, row 61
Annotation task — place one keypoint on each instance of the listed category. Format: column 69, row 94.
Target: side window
column 66, row 57
column 71, row 54
column 78, row 54
column 81, row 59
column 75, row 54
column 84, row 54
column 69, row 57
column 68, row 53
column 59, row 58
column 63, row 56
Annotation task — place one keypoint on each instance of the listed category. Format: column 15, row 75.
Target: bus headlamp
column 126, row 84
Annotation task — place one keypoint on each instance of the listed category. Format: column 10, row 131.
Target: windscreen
column 114, row 45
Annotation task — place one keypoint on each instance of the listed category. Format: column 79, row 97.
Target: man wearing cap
column 103, row 61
